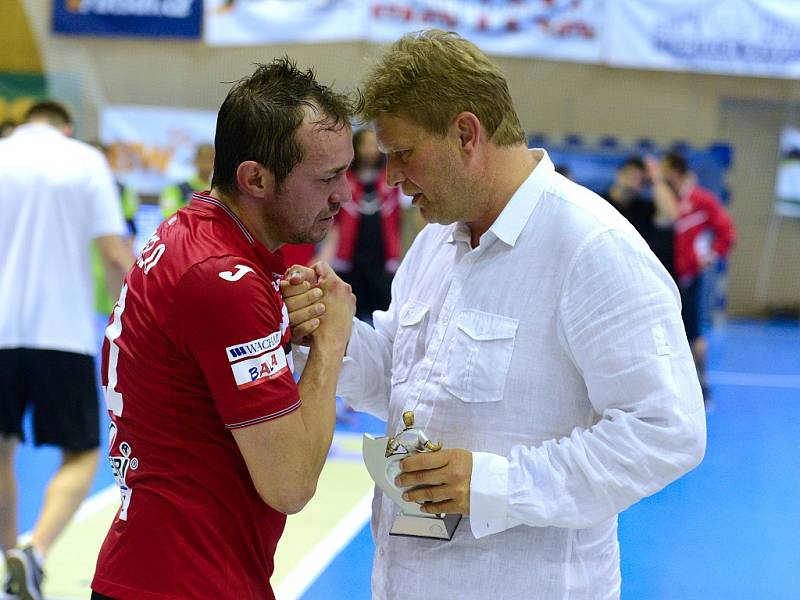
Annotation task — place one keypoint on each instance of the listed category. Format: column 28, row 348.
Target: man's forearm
column 317, row 388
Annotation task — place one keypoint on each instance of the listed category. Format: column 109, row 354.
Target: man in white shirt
column 532, row 332
column 57, row 195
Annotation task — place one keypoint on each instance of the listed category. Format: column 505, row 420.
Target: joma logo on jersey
column 253, row 348
column 259, row 369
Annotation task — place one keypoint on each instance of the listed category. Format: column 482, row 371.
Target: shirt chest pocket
column 479, row 356
column 409, row 341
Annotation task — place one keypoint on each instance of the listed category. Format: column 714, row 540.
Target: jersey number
column 113, row 331
column 156, row 252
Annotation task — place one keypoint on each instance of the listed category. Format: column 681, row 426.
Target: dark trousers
column 96, row 596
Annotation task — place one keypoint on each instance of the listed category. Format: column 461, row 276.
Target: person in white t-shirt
column 533, row 334
column 57, row 194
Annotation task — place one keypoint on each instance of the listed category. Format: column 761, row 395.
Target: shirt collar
column 272, row 261
column 34, row 128
column 509, row 224
column 207, row 199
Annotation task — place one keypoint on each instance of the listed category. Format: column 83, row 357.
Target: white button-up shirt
column 555, row 352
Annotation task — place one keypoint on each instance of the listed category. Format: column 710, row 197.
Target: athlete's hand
column 340, row 306
column 447, row 473
column 302, row 299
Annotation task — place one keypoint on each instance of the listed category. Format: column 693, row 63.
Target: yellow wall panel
column 19, row 52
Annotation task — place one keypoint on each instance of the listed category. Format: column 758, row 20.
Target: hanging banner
column 787, row 183
column 18, row 92
column 140, row 18
column 568, row 30
column 255, row 22
column 151, row 147
column 734, row 37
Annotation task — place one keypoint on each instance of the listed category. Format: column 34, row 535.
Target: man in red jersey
column 212, row 442
column 704, row 233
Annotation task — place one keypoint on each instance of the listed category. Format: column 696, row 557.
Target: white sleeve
column 106, row 206
column 619, row 320
column 365, row 378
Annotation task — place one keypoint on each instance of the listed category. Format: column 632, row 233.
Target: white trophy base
column 432, row 527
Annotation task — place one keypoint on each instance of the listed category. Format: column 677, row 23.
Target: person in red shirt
column 212, row 442
column 365, row 245
column 704, row 234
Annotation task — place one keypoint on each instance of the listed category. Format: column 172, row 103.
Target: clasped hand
column 318, row 302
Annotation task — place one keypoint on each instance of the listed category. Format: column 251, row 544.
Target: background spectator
column 365, row 246
column 652, row 217
column 704, row 234
column 58, row 195
column 176, row 196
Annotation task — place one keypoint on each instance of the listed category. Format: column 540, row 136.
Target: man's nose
column 394, row 172
column 343, row 193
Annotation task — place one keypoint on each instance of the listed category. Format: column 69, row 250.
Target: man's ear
column 253, row 179
column 467, row 127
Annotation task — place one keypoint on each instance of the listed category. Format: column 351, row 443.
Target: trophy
column 382, row 457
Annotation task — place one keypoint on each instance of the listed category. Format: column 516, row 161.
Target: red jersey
column 197, row 345
column 349, row 220
column 700, row 213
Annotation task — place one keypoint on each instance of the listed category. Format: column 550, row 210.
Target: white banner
column 735, row 37
column 558, row 29
column 153, row 146
column 787, row 183
column 568, row 30
column 251, row 22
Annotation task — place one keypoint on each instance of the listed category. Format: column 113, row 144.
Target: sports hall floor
column 729, row 530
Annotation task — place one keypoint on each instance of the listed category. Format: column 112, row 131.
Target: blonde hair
column 430, row 76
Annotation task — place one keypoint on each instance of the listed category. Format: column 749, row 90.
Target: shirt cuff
column 488, row 494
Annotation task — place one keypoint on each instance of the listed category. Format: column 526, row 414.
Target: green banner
column 17, row 92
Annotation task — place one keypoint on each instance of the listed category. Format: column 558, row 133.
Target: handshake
column 320, row 305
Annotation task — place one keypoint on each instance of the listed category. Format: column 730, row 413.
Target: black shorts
column 690, row 308
column 60, row 386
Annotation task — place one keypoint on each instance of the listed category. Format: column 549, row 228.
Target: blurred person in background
column 177, row 195
column 704, row 234
column 213, row 442
column 130, row 200
column 57, row 196
column 652, row 217
column 7, row 128
column 365, row 245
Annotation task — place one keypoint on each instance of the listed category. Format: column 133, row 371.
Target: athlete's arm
column 117, row 259
column 285, row 455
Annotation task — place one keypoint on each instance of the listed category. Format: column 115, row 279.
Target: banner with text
column 733, row 37
column 140, row 18
column 252, row 22
column 569, row 30
column 153, row 146
column 558, row 29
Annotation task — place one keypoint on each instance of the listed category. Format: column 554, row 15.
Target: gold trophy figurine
column 382, row 458
column 410, row 439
